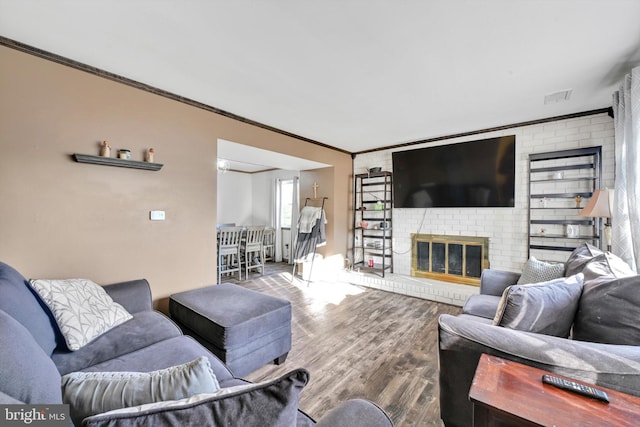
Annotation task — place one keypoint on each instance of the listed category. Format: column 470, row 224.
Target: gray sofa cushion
column 91, row 393
column 164, row 354
column 609, row 312
column 482, row 305
column 146, row 328
column 579, row 258
column 23, row 305
column 545, row 308
column 273, row 403
column 474, row 318
column 26, row 372
column 536, row 271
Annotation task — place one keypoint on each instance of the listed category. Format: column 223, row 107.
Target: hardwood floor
column 359, row 343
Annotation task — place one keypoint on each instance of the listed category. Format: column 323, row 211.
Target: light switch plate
column 156, row 215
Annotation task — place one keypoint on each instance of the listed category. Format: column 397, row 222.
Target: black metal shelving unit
column 373, row 205
column 560, row 184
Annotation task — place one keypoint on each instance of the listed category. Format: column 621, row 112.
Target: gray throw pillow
column 544, row 308
column 21, row 303
column 272, row 403
column 536, row 271
column 27, row 373
column 605, row 268
column 90, row 393
column 5, row 399
column 609, row 312
column 579, row 258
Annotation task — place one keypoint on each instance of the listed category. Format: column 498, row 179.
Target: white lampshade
column 600, row 205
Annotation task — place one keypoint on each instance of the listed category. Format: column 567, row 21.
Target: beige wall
column 324, row 179
column 59, row 218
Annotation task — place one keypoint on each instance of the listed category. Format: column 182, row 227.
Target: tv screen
column 470, row 174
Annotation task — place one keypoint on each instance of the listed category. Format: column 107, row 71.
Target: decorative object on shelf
column 601, row 206
column 105, row 149
column 544, row 202
column 376, row 169
column 578, row 202
column 148, row 156
column 571, row 230
column 124, row 154
column 364, row 224
column 378, row 206
column 542, row 231
column 371, row 263
column 222, row 166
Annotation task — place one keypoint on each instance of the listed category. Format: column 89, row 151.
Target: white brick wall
column 506, row 227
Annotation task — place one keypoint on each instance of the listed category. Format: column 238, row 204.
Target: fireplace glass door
column 457, row 259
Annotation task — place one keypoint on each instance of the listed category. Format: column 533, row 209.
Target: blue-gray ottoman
column 244, row 328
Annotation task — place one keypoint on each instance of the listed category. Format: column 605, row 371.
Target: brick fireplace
column 456, row 259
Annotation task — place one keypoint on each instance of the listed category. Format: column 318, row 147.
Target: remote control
column 576, row 388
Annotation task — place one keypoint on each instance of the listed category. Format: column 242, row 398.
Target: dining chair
column 252, row 249
column 269, row 241
column 229, row 239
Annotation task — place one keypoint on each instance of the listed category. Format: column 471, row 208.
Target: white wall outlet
column 156, row 215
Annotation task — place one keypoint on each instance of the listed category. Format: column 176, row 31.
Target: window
column 286, row 203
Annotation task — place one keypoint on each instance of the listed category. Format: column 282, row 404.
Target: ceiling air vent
column 555, row 97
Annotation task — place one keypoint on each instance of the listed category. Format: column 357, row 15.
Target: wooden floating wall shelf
column 111, row 161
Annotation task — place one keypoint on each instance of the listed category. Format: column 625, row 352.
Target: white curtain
column 280, row 242
column 626, row 215
column 295, row 211
column 277, row 244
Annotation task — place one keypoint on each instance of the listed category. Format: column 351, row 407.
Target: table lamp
column 600, row 206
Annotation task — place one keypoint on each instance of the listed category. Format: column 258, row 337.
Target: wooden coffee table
column 506, row 393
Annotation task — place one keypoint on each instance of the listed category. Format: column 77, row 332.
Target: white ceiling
column 353, row 74
column 261, row 160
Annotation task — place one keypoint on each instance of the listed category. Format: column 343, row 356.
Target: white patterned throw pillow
column 83, row 310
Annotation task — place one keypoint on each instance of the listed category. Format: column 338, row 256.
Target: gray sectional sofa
column 599, row 342
column 34, row 357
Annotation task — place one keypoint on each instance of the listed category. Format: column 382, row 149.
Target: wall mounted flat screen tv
column 470, row 174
